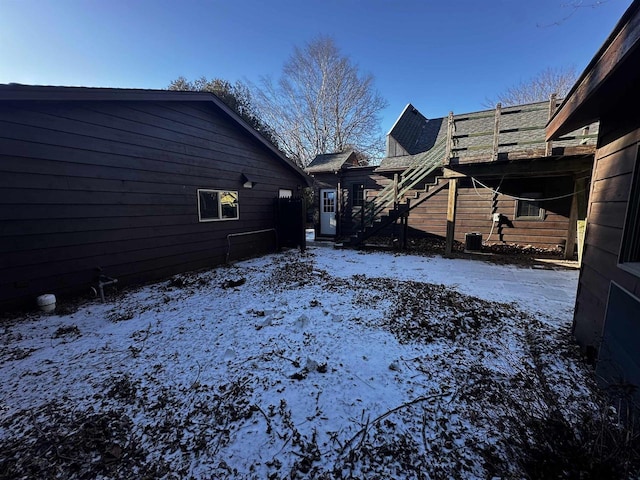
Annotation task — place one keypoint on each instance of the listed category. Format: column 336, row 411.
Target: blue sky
column 438, row 55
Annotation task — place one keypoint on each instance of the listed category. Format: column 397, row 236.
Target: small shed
column 130, row 184
column 607, row 314
column 327, row 171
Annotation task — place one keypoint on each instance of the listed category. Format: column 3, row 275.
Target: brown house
column 129, row 184
column 489, row 173
column 607, row 313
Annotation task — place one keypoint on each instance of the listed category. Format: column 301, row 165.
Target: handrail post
column 450, row 129
column 496, row 132
column 395, row 189
column 548, row 147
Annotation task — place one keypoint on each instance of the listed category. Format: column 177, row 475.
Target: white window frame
column 219, row 194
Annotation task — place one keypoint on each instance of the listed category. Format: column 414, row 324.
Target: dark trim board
column 105, row 181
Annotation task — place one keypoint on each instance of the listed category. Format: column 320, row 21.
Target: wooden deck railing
column 500, row 138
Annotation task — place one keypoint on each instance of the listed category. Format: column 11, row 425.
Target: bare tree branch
column 537, row 89
column 574, row 6
column 322, row 104
column 236, row 96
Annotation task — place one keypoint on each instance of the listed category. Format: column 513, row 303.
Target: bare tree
column 573, row 7
column 537, row 89
column 236, row 96
column 322, row 104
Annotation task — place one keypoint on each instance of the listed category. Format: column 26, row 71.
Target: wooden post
column 583, row 205
column 450, row 129
column 570, row 242
column 303, row 221
column 548, row 148
column 405, row 232
column 451, row 216
column 338, row 209
column 496, row 132
column 395, row 189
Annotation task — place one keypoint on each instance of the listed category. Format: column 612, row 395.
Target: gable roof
column 612, row 73
column 414, row 132
column 332, row 162
column 17, row 92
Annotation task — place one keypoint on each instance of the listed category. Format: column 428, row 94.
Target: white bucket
column 310, row 234
column 47, row 303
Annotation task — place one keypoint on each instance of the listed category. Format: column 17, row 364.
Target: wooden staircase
column 387, row 208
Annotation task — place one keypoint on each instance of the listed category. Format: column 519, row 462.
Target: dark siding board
column 41, row 181
column 66, row 197
column 102, row 244
column 595, row 283
column 591, row 312
column 614, row 189
column 610, row 214
column 27, row 248
column 239, row 145
column 107, row 254
column 9, row 212
column 127, row 155
column 606, row 264
column 93, row 218
column 68, row 162
column 621, row 163
column 604, row 238
column 121, row 125
column 27, row 227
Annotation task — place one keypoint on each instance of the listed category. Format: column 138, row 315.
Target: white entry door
column 327, row 212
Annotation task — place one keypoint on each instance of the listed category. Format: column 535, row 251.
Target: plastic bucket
column 47, row 303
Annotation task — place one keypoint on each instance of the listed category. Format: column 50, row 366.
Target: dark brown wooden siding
column 373, row 182
column 112, row 185
column 476, row 205
column 613, row 168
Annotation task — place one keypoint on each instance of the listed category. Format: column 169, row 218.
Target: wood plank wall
column 113, row 185
column 613, row 167
column 476, row 205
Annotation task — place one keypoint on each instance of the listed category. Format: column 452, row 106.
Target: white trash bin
column 47, row 303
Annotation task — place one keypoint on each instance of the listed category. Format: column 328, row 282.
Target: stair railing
column 387, row 198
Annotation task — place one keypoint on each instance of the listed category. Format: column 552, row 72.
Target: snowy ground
column 329, row 364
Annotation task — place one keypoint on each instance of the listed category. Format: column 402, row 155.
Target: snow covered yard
column 328, row 364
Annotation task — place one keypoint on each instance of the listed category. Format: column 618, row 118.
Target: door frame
column 328, row 219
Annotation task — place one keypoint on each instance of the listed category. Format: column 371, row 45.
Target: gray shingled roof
column 395, row 163
column 414, row 132
column 329, row 162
